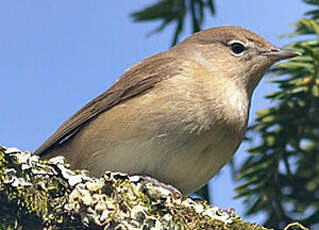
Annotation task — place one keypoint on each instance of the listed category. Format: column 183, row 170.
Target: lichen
column 36, row 194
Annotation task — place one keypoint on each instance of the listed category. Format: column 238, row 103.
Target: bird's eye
column 237, row 48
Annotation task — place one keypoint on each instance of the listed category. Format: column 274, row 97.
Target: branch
column 36, row 194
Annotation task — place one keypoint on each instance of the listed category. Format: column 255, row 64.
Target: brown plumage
column 177, row 116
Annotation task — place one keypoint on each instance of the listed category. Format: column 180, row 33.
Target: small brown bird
column 177, row 116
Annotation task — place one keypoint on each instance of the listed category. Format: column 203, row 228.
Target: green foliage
column 281, row 175
column 169, row 11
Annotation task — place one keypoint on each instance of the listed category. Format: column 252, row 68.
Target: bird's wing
column 137, row 80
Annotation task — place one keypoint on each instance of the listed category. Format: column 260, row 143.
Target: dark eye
column 237, row 48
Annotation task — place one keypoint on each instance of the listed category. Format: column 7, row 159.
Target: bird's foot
column 155, row 182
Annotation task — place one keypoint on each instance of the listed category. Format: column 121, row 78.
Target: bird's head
column 233, row 52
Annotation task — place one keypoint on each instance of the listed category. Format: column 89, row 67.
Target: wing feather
column 137, row 80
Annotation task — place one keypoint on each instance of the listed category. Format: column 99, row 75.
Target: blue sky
column 55, row 56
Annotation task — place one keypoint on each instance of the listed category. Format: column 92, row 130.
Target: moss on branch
column 36, row 194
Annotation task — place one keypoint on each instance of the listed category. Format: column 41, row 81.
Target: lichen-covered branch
column 37, row 194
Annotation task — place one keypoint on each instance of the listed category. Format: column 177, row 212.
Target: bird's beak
column 281, row 54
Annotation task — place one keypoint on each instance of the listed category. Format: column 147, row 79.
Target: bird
column 177, row 116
